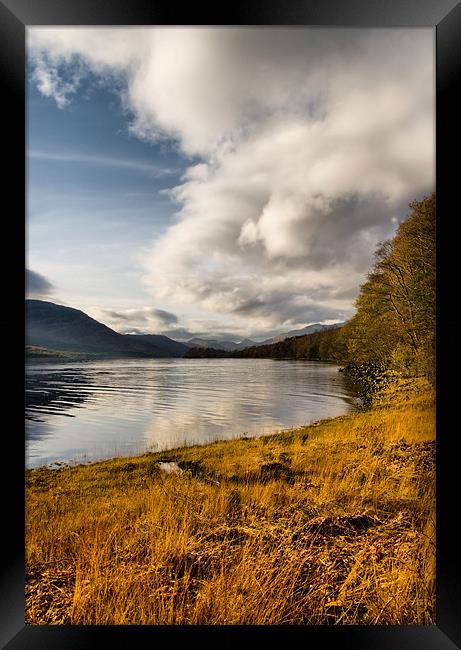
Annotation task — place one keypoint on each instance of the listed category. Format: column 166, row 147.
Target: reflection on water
column 93, row 410
column 51, row 392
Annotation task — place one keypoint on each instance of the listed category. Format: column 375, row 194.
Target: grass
column 333, row 523
column 40, row 352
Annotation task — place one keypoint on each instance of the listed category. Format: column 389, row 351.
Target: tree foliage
column 395, row 320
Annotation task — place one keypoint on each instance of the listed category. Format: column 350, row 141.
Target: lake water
column 79, row 412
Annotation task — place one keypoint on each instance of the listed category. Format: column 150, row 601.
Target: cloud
column 147, row 320
column 51, row 84
column 304, row 144
column 184, row 334
column 101, row 161
column 37, row 286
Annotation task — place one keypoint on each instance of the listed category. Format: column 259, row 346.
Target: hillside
column 168, row 346
column 65, row 329
column 215, row 344
column 309, row 329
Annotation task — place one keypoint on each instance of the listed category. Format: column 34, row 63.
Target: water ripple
column 106, row 408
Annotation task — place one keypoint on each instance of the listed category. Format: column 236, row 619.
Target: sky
column 223, row 182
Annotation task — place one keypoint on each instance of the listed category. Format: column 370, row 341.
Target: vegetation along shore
column 328, row 523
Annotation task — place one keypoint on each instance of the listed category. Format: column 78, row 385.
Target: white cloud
column 310, row 141
column 147, row 320
column 101, row 161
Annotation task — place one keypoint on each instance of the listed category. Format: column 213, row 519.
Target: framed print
column 240, row 324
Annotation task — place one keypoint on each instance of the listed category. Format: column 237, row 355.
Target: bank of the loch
column 328, row 523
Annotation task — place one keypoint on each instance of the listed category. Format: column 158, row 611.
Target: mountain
column 60, row 328
column 246, row 343
column 309, row 329
column 228, row 346
column 197, row 342
column 170, row 347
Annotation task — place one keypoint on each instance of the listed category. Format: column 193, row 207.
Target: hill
column 309, row 329
column 228, row 346
column 65, row 329
column 170, row 347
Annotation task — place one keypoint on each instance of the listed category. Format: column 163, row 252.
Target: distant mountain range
column 52, row 327
column 229, row 346
column 309, row 329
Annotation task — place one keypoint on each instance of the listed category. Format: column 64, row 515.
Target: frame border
column 445, row 17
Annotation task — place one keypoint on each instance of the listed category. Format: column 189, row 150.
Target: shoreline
column 296, row 429
column 308, row 525
column 347, row 398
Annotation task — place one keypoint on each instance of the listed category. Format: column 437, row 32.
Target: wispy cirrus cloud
column 101, row 161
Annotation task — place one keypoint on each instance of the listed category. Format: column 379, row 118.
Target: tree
column 395, row 319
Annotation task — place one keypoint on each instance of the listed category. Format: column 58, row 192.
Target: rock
column 170, row 468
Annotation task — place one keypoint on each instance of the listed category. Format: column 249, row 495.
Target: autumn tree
column 395, row 319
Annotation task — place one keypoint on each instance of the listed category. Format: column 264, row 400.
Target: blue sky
column 94, row 196
column 229, row 182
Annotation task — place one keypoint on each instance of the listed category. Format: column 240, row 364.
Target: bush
column 369, row 378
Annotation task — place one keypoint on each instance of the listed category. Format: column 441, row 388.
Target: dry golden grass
column 328, row 524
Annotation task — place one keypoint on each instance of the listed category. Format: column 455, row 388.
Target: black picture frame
column 442, row 15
